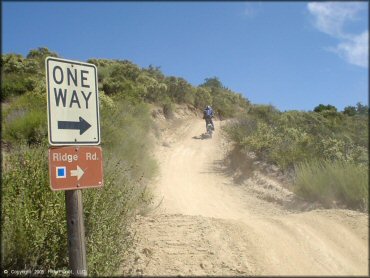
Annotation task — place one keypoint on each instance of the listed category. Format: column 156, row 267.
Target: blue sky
column 293, row 55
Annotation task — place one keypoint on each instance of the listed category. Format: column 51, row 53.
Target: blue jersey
column 208, row 113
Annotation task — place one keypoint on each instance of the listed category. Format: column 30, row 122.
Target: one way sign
column 73, row 102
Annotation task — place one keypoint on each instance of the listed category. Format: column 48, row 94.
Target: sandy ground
column 207, row 224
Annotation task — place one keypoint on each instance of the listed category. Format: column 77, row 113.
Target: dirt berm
column 206, row 224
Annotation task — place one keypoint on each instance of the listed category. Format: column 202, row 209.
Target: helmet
column 208, row 107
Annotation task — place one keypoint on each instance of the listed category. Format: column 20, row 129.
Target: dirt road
column 208, row 225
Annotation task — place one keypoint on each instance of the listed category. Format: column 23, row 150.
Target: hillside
column 264, row 171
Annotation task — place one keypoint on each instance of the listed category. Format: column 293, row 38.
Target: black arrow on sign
column 82, row 125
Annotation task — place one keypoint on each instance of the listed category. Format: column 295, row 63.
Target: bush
column 29, row 128
column 125, row 134
column 329, row 181
column 261, row 140
column 122, row 70
column 293, row 137
column 33, row 218
column 266, row 113
column 202, row 97
column 127, row 166
column 243, row 127
column 25, row 121
column 108, row 213
column 178, row 89
column 15, row 85
column 30, row 238
column 223, row 106
column 291, row 146
column 322, row 107
column 39, row 55
column 168, row 108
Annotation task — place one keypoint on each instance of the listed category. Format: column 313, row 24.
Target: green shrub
column 261, row 140
column 312, row 123
column 357, row 129
column 16, row 84
column 39, row 55
column 329, row 181
column 291, row 146
column 127, row 165
column 178, row 89
column 223, row 106
column 168, row 108
column 266, row 113
column 105, row 102
column 202, row 97
column 33, row 218
column 125, row 69
column 125, row 132
column 150, row 89
column 108, row 213
column 292, row 137
column 34, row 224
column 25, row 121
column 112, row 86
column 30, row 128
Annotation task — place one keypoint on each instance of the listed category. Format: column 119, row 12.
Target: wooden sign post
column 76, row 233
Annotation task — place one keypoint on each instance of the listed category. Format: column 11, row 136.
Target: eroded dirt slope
column 207, row 224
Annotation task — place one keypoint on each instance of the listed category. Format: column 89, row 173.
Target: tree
column 359, row 109
column 362, row 109
column 178, row 88
column 322, row 107
column 125, row 70
column 349, row 110
column 202, row 97
column 12, row 63
column 40, row 54
column 213, row 82
column 155, row 72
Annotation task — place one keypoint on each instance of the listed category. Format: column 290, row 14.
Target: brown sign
column 72, row 168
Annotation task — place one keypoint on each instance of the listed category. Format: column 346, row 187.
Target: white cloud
column 356, row 50
column 331, row 18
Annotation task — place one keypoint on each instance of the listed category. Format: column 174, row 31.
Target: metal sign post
column 73, row 119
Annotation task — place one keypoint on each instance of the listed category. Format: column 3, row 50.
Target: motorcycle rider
column 208, row 115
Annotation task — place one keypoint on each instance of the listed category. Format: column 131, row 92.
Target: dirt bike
column 209, row 130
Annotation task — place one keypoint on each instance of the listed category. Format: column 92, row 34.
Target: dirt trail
column 207, row 225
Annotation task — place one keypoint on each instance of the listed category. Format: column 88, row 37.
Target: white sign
column 73, row 102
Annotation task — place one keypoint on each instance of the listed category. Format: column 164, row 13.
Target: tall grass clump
column 333, row 181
